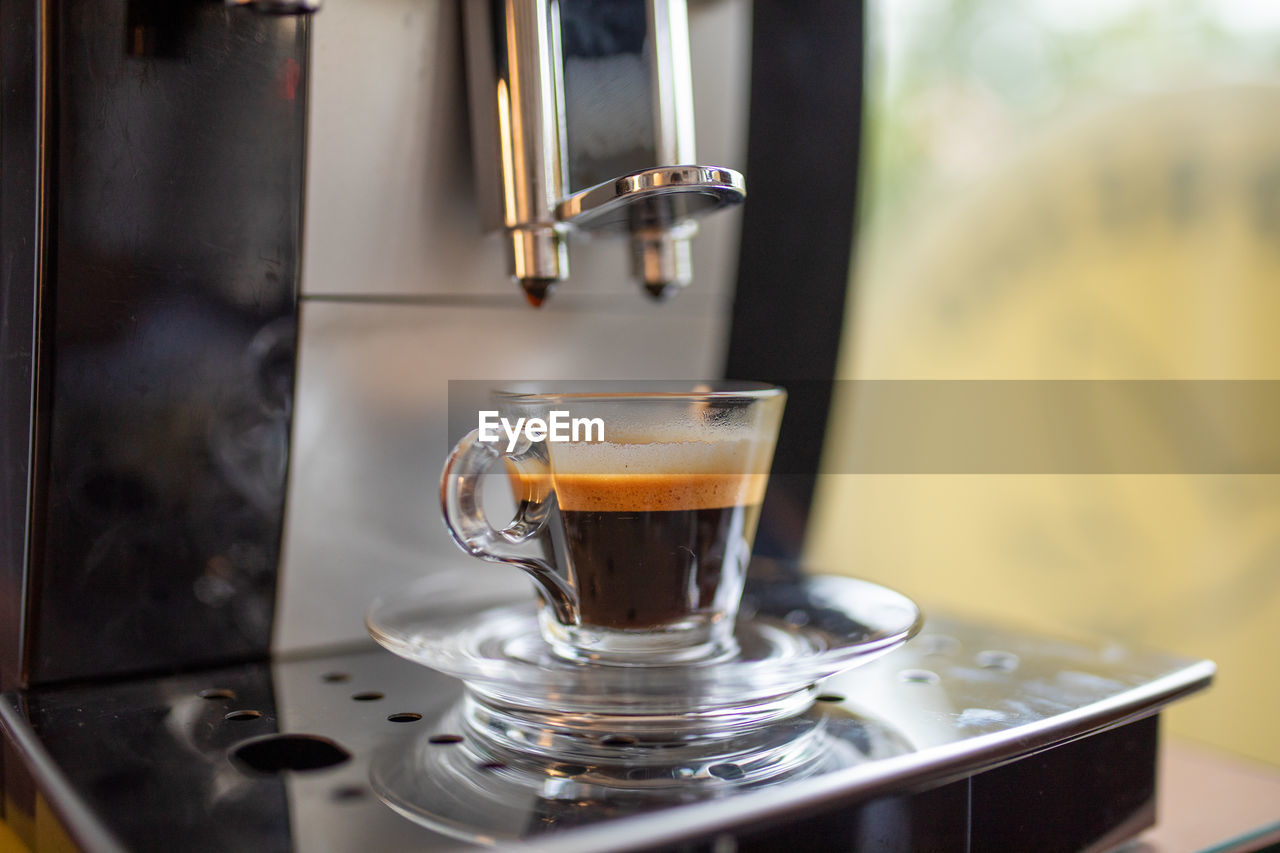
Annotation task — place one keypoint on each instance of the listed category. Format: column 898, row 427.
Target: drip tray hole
column 274, row 753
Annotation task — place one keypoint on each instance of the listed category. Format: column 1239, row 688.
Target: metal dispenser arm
column 522, row 131
column 658, row 207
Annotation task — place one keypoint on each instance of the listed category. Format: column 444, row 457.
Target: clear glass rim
column 717, row 390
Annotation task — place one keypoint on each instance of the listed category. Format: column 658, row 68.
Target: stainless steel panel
column 371, row 429
column 390, row 204
column 392, row 224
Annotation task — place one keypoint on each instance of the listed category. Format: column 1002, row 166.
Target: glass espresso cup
column 635, row 512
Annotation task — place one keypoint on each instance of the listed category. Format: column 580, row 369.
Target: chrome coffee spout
column 582, row 119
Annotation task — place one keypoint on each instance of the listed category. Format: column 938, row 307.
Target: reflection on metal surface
column 131, row 751
column 513, row 794
column 662, row 197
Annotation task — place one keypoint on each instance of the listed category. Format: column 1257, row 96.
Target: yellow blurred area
column 43, row 831
column 9, row 842
column 1138, row 241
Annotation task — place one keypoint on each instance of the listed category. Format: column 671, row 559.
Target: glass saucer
column 468, row 787
column 791, row 634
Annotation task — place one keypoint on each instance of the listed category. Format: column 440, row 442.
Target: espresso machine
column 247, row 246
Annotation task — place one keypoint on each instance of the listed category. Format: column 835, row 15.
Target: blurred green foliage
column 946, row 74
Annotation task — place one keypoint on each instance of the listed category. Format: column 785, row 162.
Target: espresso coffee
column 645, row 528
column 648, row 551
column 644, row 570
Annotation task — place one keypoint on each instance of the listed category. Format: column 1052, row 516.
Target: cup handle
column 461, row 489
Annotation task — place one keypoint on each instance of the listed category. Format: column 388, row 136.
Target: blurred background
column 1073, row 190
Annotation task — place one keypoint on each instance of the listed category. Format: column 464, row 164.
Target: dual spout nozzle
column 549, row 143
column 661, row 262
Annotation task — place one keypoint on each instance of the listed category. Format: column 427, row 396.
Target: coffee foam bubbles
column 657, row 473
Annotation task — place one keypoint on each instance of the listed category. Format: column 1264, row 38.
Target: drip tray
column 966, row 737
